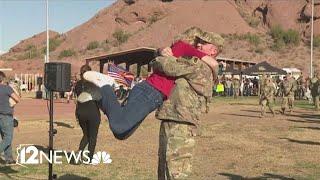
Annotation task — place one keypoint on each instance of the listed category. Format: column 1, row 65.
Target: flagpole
column 47, row 27
column 311, row 43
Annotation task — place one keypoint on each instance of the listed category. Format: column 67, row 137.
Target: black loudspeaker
column 39, row 80
column 57, row 76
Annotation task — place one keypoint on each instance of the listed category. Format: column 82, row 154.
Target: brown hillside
column 155, row 23
column 37, row 40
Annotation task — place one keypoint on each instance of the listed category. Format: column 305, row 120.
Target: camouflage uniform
column 288, row 86
column 301, row 86
column 235, row 87
column 180, row 113
column 261, row 84
column 314, row 87
column 267, row 97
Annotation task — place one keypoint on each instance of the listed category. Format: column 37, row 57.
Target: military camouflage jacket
column 268, row 91
column 192, row 91
column 289, row 87
column 314, row 86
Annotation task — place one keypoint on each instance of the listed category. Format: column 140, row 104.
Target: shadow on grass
column 304, row 121
column 313, row 128
column 306, row 116
column 264, row 176
column 302, row 142
column 72, row 177
column 241, row 115
column 254, row 111
column 63, row 124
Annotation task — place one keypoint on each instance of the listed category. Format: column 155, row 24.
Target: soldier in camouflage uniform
column 314, row 87
column 235, row 87
column 288, row 87
column 267, row 97
column 301, row 86
column 262, row 79
column 180, row 113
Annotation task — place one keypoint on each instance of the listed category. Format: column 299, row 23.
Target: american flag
column 120, row 75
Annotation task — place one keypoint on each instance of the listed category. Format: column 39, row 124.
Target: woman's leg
column 93, row 127
column 123, row 120
column 84, row 139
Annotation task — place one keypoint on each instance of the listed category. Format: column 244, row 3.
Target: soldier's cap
column 191, row 34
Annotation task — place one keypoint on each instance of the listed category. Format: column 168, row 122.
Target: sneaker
column 98, row 79
column 84, row 97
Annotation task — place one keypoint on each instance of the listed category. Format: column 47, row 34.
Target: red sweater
column 164, row 83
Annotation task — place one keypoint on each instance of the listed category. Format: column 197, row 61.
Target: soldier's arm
column 174, row 67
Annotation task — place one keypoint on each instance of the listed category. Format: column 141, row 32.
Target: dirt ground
column 235, row 144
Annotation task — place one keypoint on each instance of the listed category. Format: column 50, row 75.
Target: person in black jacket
column 87, row 111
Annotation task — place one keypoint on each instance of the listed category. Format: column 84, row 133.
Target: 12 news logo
column 29, row 154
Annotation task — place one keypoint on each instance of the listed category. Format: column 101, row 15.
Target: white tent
column 294, row 71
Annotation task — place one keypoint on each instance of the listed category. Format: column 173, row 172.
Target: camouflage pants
column 235, row 92
column 266, row 102
column 316, row 102
column 287, row 102
column 176, row 147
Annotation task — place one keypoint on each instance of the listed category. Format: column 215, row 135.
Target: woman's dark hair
column 2, row 76
column 84, row 69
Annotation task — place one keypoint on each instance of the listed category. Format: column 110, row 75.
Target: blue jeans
column 123, row 120
column 6, row 130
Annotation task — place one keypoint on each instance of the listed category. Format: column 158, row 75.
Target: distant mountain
column 130, row 24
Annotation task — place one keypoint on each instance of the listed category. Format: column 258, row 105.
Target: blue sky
column 20, row 19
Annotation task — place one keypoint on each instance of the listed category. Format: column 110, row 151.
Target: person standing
column 267, row 97
column 235, row 87
column 288, row 87
column 315, row 87
column 6, row 119
column 228, row 87
column 87, row 111
column 180, row 114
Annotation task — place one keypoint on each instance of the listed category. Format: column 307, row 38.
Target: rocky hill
column 255, row 30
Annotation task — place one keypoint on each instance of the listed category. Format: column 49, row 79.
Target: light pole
column 311, row 43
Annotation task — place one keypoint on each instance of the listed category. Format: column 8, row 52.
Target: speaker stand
column 52, row 132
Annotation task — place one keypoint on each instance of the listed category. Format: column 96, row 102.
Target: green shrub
column 282, row 38
column 278, row 45
column 53, row 44
column 30, row 46
column 316, row 41
column 121, row 36
column 259, row 50
column 276, row 32
column 31, row 52
column 291, row 37
column 93, row 45
column 253, row 21
column 67, row 53
column 252, row 39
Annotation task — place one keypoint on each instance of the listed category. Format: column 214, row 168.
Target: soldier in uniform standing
column 267, row 97
column 301, row 86
column 180, row 113
column 288, row 87
column 314, row 87
column 235, row 87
